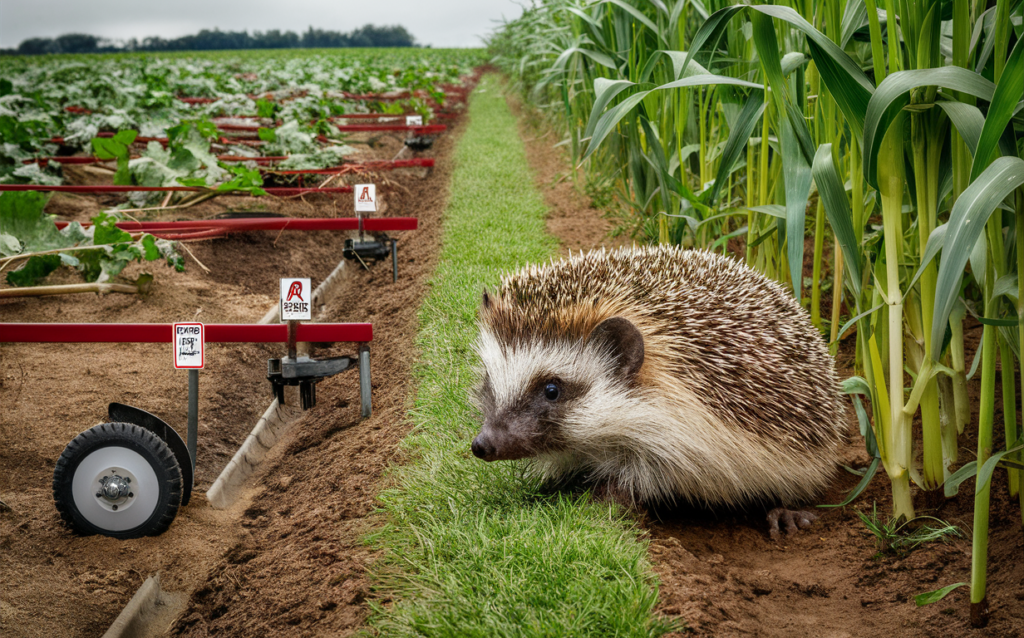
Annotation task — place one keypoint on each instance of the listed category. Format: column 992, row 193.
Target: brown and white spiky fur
column 737, row 399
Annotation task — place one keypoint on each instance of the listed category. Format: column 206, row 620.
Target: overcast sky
column 440, row 23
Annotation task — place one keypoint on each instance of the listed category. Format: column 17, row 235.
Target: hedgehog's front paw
column 794, row 520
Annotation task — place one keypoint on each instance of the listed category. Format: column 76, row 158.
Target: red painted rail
column 370, row 224
column 369, row 165
column 276, row 191
column 162, row 333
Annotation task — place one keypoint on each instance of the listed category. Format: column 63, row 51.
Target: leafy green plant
column 900, row 537
column 100, row 251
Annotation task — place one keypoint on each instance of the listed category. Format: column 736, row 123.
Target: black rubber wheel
column 118, row 480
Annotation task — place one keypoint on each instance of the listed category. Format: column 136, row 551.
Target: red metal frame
column 163, row 333
column 105, row 188
column 370, row 224
column 369, row 165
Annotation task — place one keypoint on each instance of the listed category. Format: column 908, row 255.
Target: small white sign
column 189, row 341
column 414, row 120
column 366, row 198
column 296, row 300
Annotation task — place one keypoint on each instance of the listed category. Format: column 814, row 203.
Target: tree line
column 215, row 39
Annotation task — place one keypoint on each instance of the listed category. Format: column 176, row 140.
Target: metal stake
column 293, row 329
column 394, row 260
column 193, row 414
column 364, row 380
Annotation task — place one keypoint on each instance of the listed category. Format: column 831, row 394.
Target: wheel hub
column 115, row 489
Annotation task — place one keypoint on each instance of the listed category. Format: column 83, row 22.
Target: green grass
column 477, row 549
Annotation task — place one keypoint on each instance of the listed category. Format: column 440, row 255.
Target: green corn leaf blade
column 956, row 478
column 869, row 474
column 837, row 209
column 1007, row 94
column 849, row 324
column 855, row 17
column 597, row 56
column 936, row 240
column 893, row 94
column 966, row 223
column 930, row 597
column 775, row 210
column 739, row 134
column 844, row 78
column 614, row 115
column 797, row 148
column 605, row 91
column 967, row 119
column 985, row 473
column 636, row 13
column 855, row 385
column 1006, row 286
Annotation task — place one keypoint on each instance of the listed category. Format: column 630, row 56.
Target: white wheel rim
column 130, row 513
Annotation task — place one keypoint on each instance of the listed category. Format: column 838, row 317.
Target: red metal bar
column 371, row 224
column 369, row 165
column 372, row 165
column 279, row 192
column 161, row 333
column 430, row 129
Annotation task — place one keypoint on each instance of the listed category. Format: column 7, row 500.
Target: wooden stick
column 43, row 291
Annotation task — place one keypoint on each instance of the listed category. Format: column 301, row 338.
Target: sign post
column 189, row 354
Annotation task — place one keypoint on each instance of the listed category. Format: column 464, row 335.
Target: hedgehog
column 660, row 376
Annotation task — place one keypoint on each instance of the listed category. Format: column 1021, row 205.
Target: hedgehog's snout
column 483, row 449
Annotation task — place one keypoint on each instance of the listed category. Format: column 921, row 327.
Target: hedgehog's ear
column 624, row 340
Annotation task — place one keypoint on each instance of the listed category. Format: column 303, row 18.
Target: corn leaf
column 893, row 94
column 837, row 209
column 966, row 223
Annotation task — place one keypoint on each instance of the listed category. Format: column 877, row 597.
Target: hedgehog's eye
column 551, row 392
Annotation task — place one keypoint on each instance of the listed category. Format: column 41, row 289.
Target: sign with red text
column 296, row 300
column 366, row 198
column 189, row 344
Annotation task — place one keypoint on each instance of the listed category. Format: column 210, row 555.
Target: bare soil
column 720, row 573
column 287, row 556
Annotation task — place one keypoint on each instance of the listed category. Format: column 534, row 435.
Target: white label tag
column 296, row 300
column 366, row 198
column 189, row 341
column 414, row 120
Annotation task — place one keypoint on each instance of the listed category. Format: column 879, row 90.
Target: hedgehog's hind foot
column 794, row 521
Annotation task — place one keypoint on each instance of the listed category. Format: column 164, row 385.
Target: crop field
column 866, row 158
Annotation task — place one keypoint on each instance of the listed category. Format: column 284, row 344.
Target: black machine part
column 305, row 373
column 119, row 480
column 376, row 249
column 419, row 142
column 121, row 413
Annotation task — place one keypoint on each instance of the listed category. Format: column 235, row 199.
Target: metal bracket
column 305, row 373
column 377, row 249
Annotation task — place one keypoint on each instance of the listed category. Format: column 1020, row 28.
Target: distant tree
column 77, row 43
column 36, row 46
column 215, row 39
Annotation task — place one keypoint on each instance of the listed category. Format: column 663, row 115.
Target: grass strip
column 478, row 549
